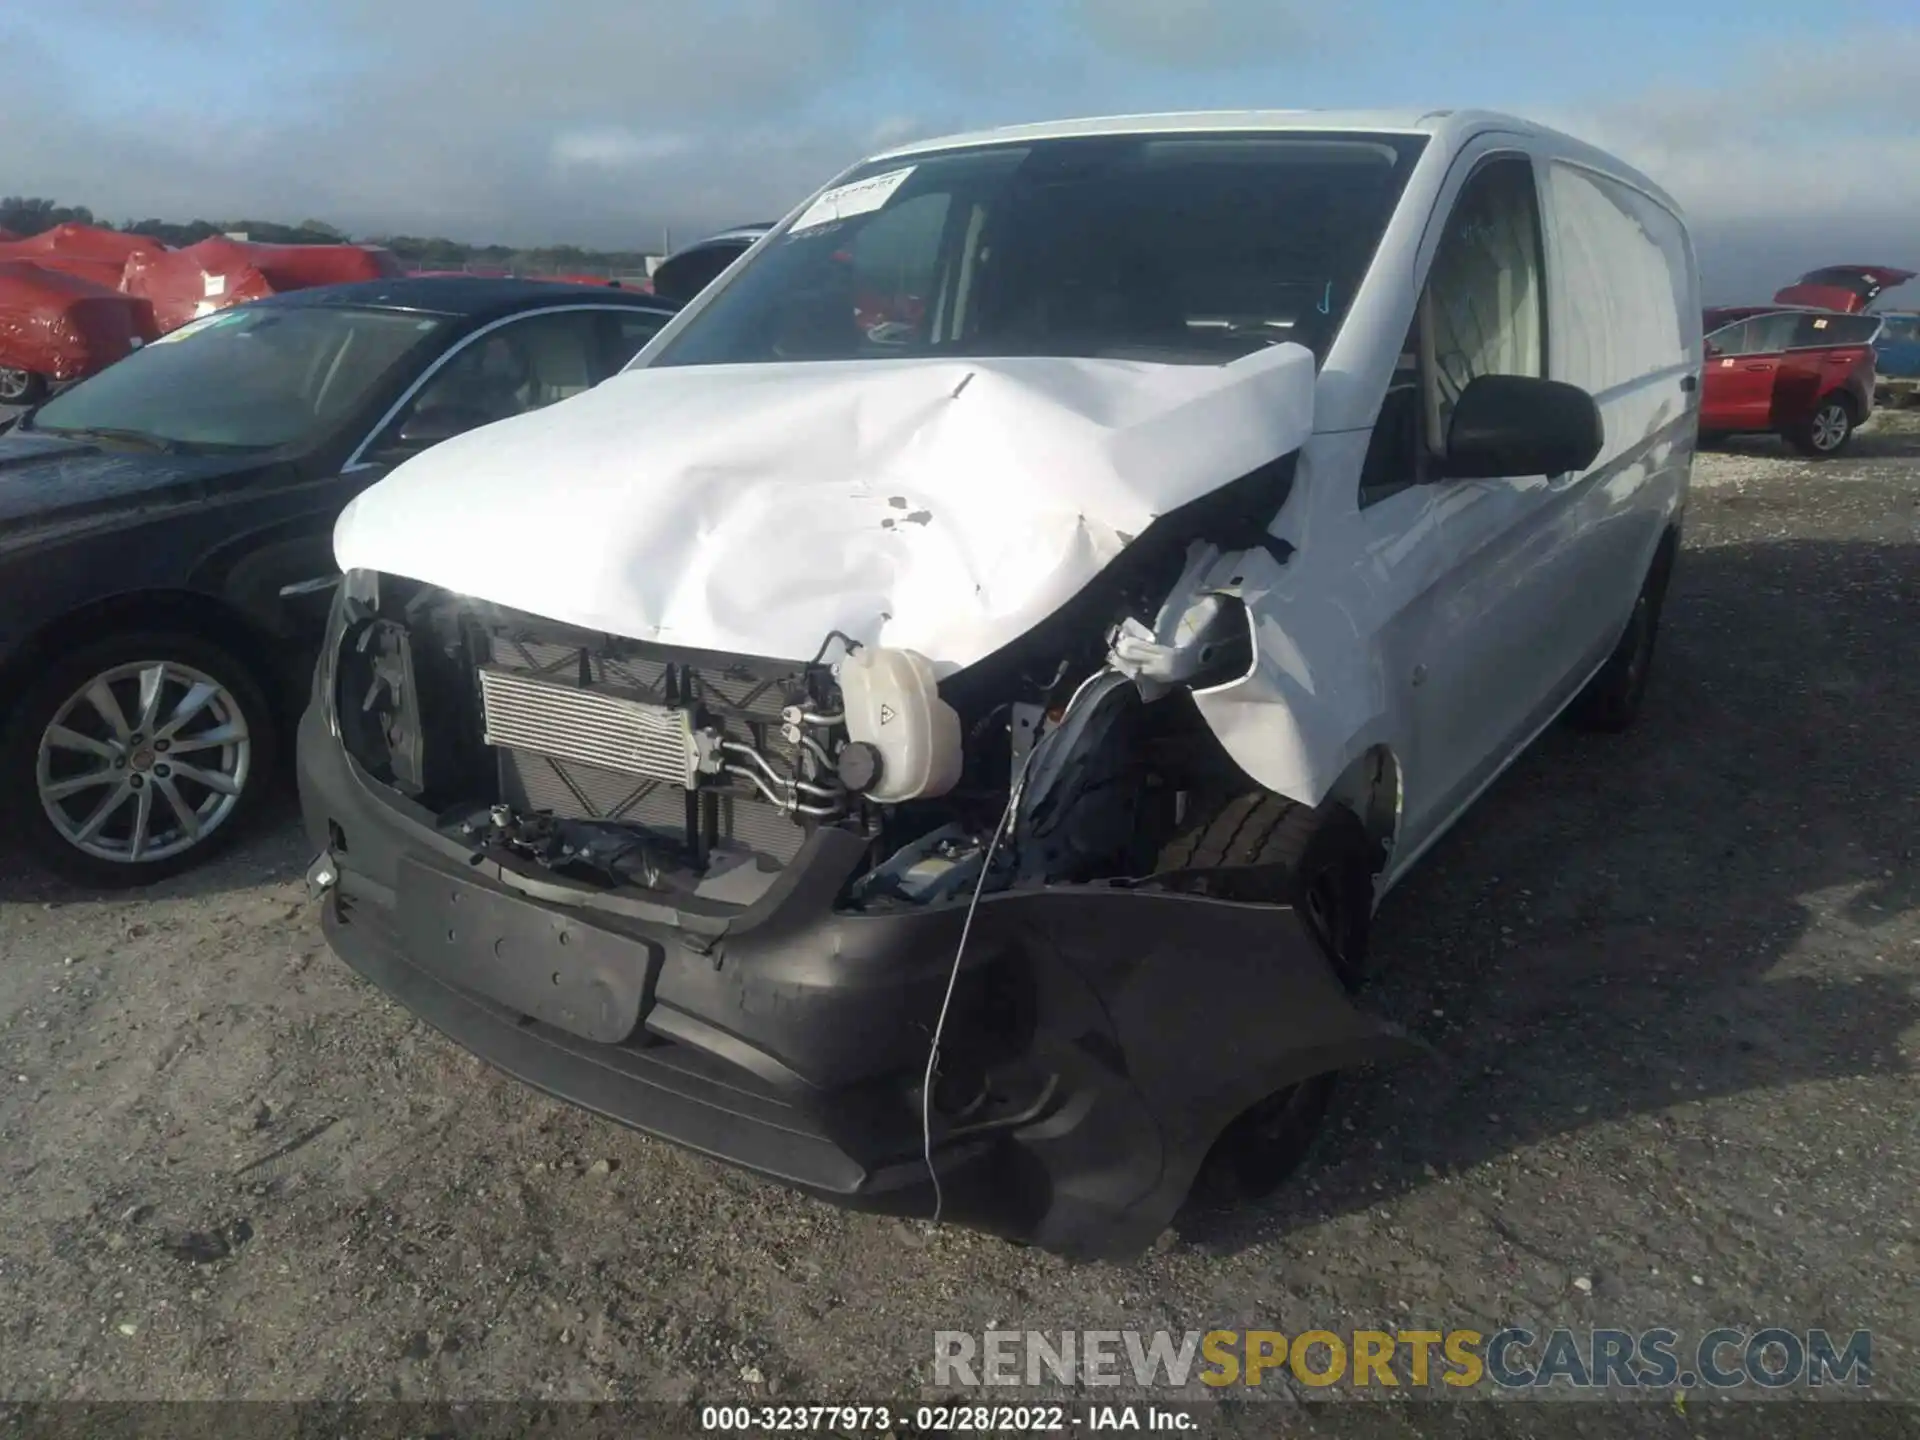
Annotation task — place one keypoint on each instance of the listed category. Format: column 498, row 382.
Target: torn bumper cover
column 1099, row 1040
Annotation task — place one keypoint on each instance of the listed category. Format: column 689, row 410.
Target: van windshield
column 1181, row 249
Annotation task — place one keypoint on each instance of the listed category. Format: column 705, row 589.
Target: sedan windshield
column 254, row 378
column 1187, row 249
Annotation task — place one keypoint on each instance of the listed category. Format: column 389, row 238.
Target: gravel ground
column 1672, row 982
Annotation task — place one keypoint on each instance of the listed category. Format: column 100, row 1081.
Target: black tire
column 1322, row 862
column 237, row 729
column 1611, row 700
column 21, row 387
column 1711, row 440
column 1828, row 431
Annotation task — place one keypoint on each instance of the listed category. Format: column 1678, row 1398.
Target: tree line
column 29, row 215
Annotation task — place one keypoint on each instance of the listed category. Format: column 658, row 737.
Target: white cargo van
column 935, row 729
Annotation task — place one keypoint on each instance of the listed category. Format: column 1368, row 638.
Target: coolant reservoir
column 894, row 706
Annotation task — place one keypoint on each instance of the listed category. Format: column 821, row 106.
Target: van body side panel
column 1624, row 325
column 1374, row 631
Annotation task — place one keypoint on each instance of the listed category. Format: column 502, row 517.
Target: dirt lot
column 1672, row 982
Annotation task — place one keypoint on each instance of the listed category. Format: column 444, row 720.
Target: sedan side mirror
column 1519, row 425
column 431, row 425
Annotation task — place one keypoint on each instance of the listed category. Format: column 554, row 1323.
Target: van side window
column 1484, row 310
column 1395, row 457
column 1483, row 313
column 1620, row 288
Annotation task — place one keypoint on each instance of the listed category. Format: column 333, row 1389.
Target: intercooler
column 589, row 735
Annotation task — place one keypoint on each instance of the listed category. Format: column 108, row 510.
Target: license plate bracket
column 540, row 961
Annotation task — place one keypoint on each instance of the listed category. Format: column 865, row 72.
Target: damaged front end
column 722, row 898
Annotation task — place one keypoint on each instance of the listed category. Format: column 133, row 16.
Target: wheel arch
column 147, row 610
column 1844, row 394
column 1372, row 787
column 1666, row 551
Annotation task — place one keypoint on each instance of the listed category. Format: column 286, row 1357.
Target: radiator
column 577, row 753
column 590, row 726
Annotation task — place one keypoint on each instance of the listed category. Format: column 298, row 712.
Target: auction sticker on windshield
column 858, row 197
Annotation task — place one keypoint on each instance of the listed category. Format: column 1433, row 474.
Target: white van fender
column 1310, row 704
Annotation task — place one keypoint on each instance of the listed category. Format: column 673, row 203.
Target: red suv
column 1807, row 375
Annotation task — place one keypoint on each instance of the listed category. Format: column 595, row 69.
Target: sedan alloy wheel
column 143, row 762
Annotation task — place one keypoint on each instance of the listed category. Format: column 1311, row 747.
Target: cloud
column 612, row 148
column 1783, row 166
column 605, row 120
column 1201, row 34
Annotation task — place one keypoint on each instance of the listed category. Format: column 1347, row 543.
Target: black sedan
column 166, row 528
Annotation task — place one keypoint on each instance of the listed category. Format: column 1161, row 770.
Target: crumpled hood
column 946, row 506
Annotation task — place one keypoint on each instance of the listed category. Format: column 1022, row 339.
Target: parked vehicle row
column 166, row 535
column 77, row 298
column 934, row 728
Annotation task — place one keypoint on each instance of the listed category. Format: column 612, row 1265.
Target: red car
column 1842, row 287
column 1807, row 375
column 1802, row 367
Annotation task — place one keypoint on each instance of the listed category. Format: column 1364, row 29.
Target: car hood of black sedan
column 48, row 480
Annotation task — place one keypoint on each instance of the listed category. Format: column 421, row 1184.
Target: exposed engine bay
column 996, row 943
column 621, row 763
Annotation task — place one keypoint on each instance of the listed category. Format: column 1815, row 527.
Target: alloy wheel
column 14, row 385
column 1830, row 426
column 143, row 762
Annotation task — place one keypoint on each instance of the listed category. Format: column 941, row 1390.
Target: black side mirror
column 1518, row 425
column 427, row 427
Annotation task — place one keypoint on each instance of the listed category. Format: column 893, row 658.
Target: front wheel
column 1827, row 432
column 21, row 387
column 136, row 757
column 1324, row 862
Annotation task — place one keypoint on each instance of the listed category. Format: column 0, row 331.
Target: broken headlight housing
column 355, row 599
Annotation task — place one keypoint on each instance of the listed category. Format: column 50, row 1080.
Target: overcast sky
column 1790, row 131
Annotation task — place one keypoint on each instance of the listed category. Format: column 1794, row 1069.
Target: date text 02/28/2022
column 936, row 1419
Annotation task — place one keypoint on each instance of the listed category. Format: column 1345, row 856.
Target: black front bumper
column 1098, row 1042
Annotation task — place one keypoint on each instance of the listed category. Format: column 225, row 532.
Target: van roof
column 1451, row 127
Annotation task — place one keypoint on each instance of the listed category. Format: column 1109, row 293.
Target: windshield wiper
column 104, row 432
